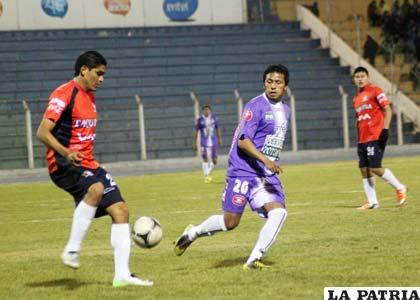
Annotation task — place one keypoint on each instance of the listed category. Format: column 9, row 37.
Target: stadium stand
column 163, row 65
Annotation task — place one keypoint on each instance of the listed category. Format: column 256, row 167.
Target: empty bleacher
column 163, row 65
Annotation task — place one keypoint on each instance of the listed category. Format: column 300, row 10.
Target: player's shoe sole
column 183, row 242
column 402, row 196
column 255, row 265
column 71, row 259
column 368, row 206
column 132, row 280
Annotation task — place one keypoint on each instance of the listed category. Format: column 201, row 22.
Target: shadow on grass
column 67, row 283
column 235, row 262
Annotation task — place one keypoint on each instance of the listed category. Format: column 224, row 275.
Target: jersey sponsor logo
column 85, row 123
column 56, row 105
column 247, row 116
column 239, row 200
column 269, row 116
column 118, row 7
column 364, row 117
column 88, row 137
column 363, row 107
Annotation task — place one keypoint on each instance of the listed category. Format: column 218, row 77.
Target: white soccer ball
column 147, row 232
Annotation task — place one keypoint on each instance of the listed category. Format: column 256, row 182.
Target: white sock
column 392, row 180
column 369, row 187
column 205, row 167
column 268, row 234
column 120, row 241
column 208, row 227
column 210, row 167
column 82, row 218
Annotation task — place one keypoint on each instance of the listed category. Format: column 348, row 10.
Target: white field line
column 177, row 212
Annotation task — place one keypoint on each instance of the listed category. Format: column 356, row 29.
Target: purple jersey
column 264, row 123
column 208, row 130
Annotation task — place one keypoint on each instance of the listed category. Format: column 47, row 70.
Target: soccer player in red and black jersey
column 374, row 115
column 68, row 130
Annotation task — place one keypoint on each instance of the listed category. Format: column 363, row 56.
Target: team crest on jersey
column 365, row 98
column 247, row 116
column 239, row 200
column 56, row 105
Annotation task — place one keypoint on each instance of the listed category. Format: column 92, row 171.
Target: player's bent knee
column 231, row 224
column 118, row 212
column 94, row 193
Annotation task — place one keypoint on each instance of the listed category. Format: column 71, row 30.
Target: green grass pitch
column 325, row 240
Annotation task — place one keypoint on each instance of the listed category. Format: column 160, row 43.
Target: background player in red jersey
column 374, row 115
column 68, row 130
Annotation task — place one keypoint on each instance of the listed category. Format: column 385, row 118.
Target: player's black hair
column 278, row 69
column 359, row 70
column 91, row 59
column 206, row 106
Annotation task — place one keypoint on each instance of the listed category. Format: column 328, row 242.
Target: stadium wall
column 349, row 57
column 77, row 14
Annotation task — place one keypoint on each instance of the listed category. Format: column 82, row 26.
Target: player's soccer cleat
column 71, row 259
column 183, row 242
column 402, row 196
column 368, row 206
column 255, row 265
column 132, row 280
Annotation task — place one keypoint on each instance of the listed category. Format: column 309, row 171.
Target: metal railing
column 345, row 115
column 142, row 134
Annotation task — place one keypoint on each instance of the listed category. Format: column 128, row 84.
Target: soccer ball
column 147, row 232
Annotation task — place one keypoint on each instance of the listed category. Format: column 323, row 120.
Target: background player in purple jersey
column 253, row 165
column 210, row 139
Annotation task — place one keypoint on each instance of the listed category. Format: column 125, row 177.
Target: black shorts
column 370, row 154
column 77, row 180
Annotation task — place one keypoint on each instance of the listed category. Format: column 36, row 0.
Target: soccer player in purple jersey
column 251, row 174
column 210, row 139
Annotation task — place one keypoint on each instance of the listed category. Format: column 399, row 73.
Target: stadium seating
column 163, row 65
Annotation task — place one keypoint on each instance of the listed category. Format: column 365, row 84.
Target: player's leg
column 121, row 244
column 205, row 162
column 368, row 181
column 386, row 174
column 87, row 194
column 113, row 204
column 270, row 203
column 233, row 204
column 212, row 161
column 364, row 151
column 208, row 227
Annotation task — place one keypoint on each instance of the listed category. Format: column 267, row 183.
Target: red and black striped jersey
column 73, row 110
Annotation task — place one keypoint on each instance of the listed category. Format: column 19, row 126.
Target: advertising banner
column 64, row 14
